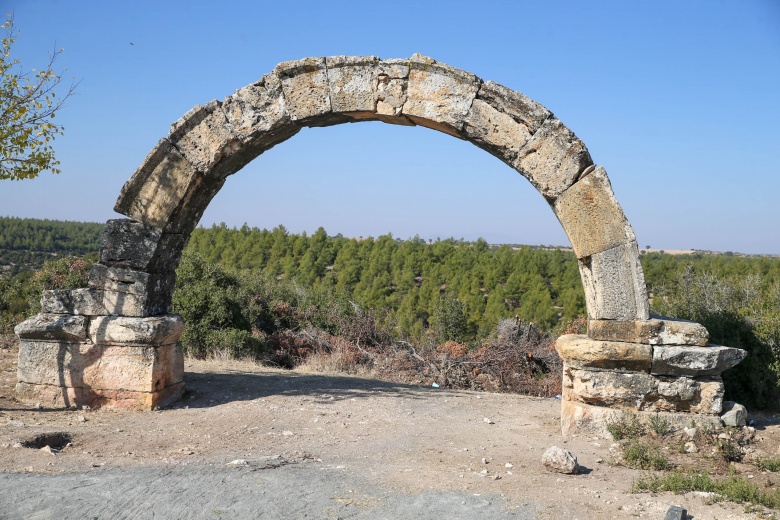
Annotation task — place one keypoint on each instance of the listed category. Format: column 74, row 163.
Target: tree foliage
column 28, row 106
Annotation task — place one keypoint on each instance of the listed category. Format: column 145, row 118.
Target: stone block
column 258, row 115
column 95, row 302
column 49, row 396
column 642, row 391
column 81, row 302
column 352, row 80
column 578, row 417
column 516, row 105
column 591, row 216
column 123, row 330
column 615, row 285
column 580, row 351
column 392, row 82
column 53, row 327
column 655, row 331
column 553, row 159
column 151, row 290
column 608, row 387
column 206, row 139
column 495, row 132
column 99, row 367
column 688, row 360
column 158, row 187
column 439, row 96
column 129, row 244
column 306, row 88
column 167, row 193
column 703, row 395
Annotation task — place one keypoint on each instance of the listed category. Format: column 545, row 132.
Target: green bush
column 741, row 312
column 642, row 455
column 625, row 426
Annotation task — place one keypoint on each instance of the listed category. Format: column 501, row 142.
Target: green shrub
column 741, row 312
column 642, row 455
column 769, row 464
column 733, row 488
column 659, row 425
column 625, row 426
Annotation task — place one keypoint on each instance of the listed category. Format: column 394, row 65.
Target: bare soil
column 399, row 438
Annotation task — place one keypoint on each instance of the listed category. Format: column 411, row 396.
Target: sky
column 679, row 101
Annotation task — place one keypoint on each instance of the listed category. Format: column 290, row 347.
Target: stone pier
column 659, row 365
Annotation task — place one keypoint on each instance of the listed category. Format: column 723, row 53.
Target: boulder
column 734, row 415
column 560, row 460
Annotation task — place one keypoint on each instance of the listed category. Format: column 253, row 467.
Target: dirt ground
column 397, row 438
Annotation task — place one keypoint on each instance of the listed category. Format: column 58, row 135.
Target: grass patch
column 642, row 455
column 732, row 488
column 625, row 426
column 659, row 425
column 768, row 464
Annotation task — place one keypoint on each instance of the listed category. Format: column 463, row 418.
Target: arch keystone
column 439, row 96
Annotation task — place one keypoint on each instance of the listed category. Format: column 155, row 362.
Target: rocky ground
column 248, row 441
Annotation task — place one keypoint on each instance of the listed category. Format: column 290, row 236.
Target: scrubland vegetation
column 455, row 313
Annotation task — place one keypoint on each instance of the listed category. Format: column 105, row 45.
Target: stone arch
column 114, row 343
column 167, row 195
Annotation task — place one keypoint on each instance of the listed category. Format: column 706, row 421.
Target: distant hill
column 25, row 243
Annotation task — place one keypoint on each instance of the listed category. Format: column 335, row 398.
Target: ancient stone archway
column 115, row 343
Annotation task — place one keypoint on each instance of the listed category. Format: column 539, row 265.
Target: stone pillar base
column 579, row 417
column 50, row 396
column 648, row 373
column 101, row 362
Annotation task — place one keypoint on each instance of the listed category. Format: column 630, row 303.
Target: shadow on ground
column 209, row 389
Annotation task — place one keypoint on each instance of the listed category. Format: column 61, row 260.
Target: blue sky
column 679, row 101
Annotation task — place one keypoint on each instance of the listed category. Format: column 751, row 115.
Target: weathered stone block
column 306, row 88
column 615, row 285
column 495, row 132
column 122, row 330
column 129, row 244
column 392, row 82
column 695, row 361
column 206, row 139
column 591, row 216
column 553, row 159
column 608, row 387
column 703, row 395
column 642, row 391
column 517, row 105
column 95, row 302
column 53, row 326
column 50, row 396
column 352, row 80
column 82, row 302
column 578, row 417
column 158, row 187
column 439, row 96
column 151, row 290
column 655, row 331
column 580, row 351
column 258, row 115
column 99, row 367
